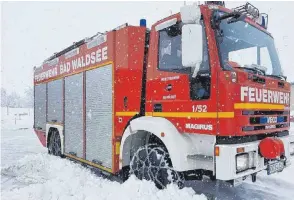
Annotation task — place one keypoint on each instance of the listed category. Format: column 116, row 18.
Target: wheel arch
column 138, row 133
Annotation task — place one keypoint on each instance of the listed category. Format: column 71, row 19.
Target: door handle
column 169, row 87
column 157, row 107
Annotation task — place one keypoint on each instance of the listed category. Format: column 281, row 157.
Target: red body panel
column 42, row 137
column 125, row 50
column 129, row 67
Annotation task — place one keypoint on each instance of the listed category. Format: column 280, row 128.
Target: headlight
column 292, row 148
column 242, row 162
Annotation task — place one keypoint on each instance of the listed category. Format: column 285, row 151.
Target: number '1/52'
column 199, row 108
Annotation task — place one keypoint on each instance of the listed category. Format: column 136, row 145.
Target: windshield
column 241, row 45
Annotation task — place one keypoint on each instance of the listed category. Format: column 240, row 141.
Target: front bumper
column 225, row 163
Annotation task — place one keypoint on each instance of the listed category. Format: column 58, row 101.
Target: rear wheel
column 152, row 162
column 54, row 146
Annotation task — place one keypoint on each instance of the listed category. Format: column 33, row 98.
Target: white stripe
column 166, row 24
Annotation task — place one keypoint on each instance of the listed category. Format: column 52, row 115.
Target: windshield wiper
column 259, row 72
column 281, row 77
column 256, row 70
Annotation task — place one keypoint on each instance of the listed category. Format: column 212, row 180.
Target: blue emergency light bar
column 143, row 22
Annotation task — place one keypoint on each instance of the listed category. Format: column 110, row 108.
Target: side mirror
column 190, row 14
column 192, row 45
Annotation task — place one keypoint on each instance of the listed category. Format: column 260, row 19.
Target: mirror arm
column 197, row 67
column 228, row 15
column 216, row 20
column 285, row 77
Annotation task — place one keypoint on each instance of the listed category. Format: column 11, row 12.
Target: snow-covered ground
column 28, row 172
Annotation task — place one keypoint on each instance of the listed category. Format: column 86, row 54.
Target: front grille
column 267, row 120
column 248, row 138
column 263, row 127
column 264, row 112
column 263, row 120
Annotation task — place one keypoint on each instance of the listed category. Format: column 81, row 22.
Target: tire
column 54, row 146
column 152, row 162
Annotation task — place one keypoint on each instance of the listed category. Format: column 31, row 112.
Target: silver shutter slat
column 55, row 101
column 73, row 122
column 40, row 106
column 99, row 115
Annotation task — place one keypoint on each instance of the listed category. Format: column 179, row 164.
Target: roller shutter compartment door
column 55, row 101
column 40, row 106
column 73, row 122
column 99, row 115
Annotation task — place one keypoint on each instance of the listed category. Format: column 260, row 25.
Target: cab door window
column 170, row 59
column 170, row 51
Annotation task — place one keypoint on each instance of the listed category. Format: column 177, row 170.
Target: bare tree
column 4, row 100
column 3, row 97
column 29, row 99
column 14, row 100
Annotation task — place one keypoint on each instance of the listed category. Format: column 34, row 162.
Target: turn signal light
column 216, row 151
column 240, row 150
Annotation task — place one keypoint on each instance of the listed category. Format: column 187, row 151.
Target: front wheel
column 152, row 162
column 54, row 146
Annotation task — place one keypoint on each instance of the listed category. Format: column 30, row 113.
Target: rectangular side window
column 170, row 59
column 170, row 50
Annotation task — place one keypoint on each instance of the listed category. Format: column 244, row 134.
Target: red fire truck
column 200, row 93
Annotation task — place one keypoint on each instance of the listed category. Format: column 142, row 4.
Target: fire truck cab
column 200, row 93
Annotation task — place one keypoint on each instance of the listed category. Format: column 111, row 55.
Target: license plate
column 275, row 167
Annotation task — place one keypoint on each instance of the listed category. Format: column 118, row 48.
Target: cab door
column 172, row 92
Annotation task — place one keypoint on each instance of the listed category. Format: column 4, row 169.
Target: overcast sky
column 33, row 31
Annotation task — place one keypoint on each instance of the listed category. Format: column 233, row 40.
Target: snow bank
column 41, row 176
column 28, row 172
